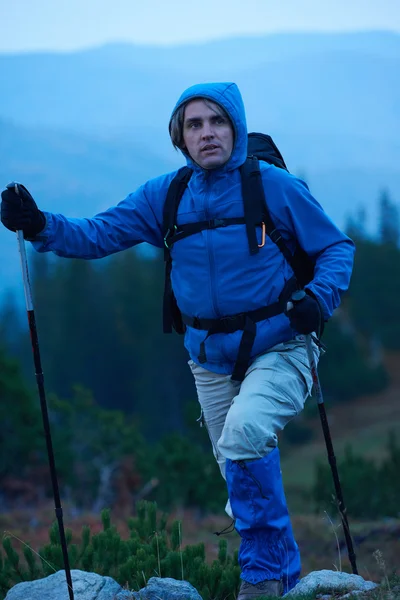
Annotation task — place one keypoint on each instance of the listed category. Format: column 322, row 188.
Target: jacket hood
column 228, row 96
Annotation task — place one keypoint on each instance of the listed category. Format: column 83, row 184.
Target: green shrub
column 370, row 490
column 152, row 550
column 188, row 475
column 297, row 432
column 347, row 370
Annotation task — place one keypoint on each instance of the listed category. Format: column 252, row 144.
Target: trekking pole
column 296, row 297
column 43, row 404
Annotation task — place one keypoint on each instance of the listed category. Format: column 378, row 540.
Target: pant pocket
column 296, row 354
column 304, row 377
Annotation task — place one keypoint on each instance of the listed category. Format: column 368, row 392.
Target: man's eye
column 220, row 120
column 194, row 125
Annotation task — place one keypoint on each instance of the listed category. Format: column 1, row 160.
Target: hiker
column 229, row 277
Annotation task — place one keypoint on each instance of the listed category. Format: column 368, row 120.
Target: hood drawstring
column 229, row 529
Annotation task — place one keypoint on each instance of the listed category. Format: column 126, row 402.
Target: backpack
column 256, row 214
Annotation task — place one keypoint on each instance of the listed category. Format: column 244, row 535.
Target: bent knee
column 246, row 438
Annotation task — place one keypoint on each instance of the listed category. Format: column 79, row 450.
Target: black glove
column 306, row 315
column 19, row 211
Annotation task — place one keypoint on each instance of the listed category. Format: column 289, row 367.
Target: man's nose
column 207, row 130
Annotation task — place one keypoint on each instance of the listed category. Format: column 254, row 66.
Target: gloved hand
column 304, row 313
column 19, row 211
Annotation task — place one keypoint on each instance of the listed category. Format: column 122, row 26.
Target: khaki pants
column 243, row 419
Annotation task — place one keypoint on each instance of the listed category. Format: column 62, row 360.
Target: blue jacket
column 213, row 274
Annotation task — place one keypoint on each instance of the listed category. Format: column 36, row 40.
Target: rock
column 86, row 586
column 124, row 595
column 90, row 586
column 330, row 582
column 396, row 589
column 167, row 589
column 351, row 594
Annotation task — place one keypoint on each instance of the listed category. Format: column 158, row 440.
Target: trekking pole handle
column 297, row 296
column 24, row 262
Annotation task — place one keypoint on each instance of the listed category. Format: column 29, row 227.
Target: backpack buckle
column 165, row 239
column 214, row 223
column 275, row 236
column 262, row 235
column 233, row 323
column 167, row 235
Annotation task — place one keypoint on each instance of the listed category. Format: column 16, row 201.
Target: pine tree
column 389, row 220
column 356, row 225
column 20, row 423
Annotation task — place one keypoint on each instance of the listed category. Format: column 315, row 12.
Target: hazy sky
column 71, row 24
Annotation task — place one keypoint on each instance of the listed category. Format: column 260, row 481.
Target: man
column 215, row 276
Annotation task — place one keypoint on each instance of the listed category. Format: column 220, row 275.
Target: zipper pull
column 201, row 419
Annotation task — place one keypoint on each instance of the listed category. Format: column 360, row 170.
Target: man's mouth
column 209, row 147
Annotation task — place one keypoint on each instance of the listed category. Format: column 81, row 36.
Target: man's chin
column 212, row 164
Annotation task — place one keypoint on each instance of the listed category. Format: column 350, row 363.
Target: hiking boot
column 269, row 587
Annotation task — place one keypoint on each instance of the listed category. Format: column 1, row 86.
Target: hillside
column 365, row 423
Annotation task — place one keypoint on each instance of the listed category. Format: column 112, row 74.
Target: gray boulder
column 90, row 586
column 331, row 582
column 166, row 589
column 86, row 586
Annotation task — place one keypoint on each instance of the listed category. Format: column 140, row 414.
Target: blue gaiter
column 268, row 549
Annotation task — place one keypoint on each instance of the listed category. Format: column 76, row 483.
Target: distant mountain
column 69, row 173
column 83, row 129
column 338, row 83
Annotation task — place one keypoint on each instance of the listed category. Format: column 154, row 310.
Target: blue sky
column 71, row 24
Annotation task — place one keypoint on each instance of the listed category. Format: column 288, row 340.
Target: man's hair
column 178, row 118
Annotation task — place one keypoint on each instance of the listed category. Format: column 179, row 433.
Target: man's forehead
column 200, row 105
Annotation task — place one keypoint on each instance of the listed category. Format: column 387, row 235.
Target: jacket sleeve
column 134, row 220
column 298, row 216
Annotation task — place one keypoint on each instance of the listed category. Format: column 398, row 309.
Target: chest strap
column 182, row 231
column 245, row 322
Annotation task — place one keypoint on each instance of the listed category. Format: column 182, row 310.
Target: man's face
column 207, row 133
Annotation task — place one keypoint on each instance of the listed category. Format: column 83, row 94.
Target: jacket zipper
column 210, row 250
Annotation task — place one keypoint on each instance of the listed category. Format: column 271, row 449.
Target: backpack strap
column 253, row 200
column 256, row 211
column 175, row 192
column 177, row 187
column 245, row 322
column 183, row 231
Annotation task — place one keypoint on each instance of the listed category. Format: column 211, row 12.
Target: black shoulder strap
column 174, row 196
column 256, row 210
column 253, row 199
column 171, row 313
